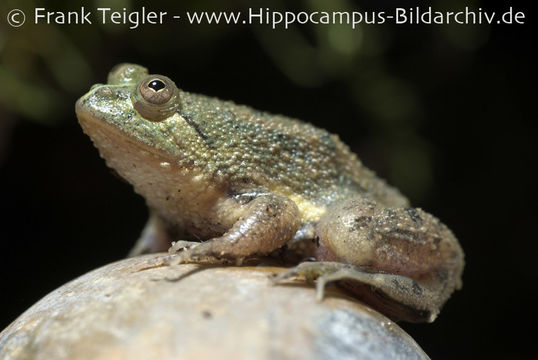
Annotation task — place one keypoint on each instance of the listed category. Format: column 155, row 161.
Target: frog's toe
column 177, row 259
column 309, row 270
column 284, row 276
column 323, row 280
column 182, row 245
column 186, row 252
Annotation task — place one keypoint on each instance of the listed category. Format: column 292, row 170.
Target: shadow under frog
column 233, row 182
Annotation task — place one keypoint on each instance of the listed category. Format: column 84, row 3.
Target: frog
column 225, row 182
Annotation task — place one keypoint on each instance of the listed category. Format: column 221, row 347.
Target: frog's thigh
column 269, row 222
column 403, row 241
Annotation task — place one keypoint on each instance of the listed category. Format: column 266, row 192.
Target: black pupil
column 156, row 85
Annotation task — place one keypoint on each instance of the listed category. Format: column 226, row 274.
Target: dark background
column 445, row 113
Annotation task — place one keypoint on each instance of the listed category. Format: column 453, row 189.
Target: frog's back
column 284, row 155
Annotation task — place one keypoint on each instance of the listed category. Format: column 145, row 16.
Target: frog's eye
column 156, row 97
column 156, row 90
column 156, row 85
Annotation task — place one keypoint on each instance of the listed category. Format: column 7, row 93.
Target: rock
column 139, row 309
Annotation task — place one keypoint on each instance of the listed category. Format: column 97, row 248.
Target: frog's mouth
column 109, row 138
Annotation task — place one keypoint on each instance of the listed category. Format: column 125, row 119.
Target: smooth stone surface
column 136, row 309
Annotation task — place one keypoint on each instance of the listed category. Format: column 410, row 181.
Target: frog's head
column 133, row 109
column 132, row 93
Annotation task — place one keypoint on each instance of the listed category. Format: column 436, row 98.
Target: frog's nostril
column 95, row 86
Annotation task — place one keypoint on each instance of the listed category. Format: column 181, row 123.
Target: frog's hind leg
column 382, row 291
column 154, row 238
column 402, row 261
column 268, row 222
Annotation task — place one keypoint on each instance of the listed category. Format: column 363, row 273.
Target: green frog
column 233, row 183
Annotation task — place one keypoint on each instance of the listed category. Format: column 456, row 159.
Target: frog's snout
column 92, row 104
column 95, row 86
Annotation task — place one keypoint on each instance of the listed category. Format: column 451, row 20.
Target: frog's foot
column 182, row 245
column 397, row 296
column 311, row 271
column 183, row 252
column 191, row 252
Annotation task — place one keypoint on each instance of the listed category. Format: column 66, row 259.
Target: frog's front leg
column 268, row 222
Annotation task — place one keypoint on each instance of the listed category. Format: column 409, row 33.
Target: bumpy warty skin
column 238, row 146
column 252, row 182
